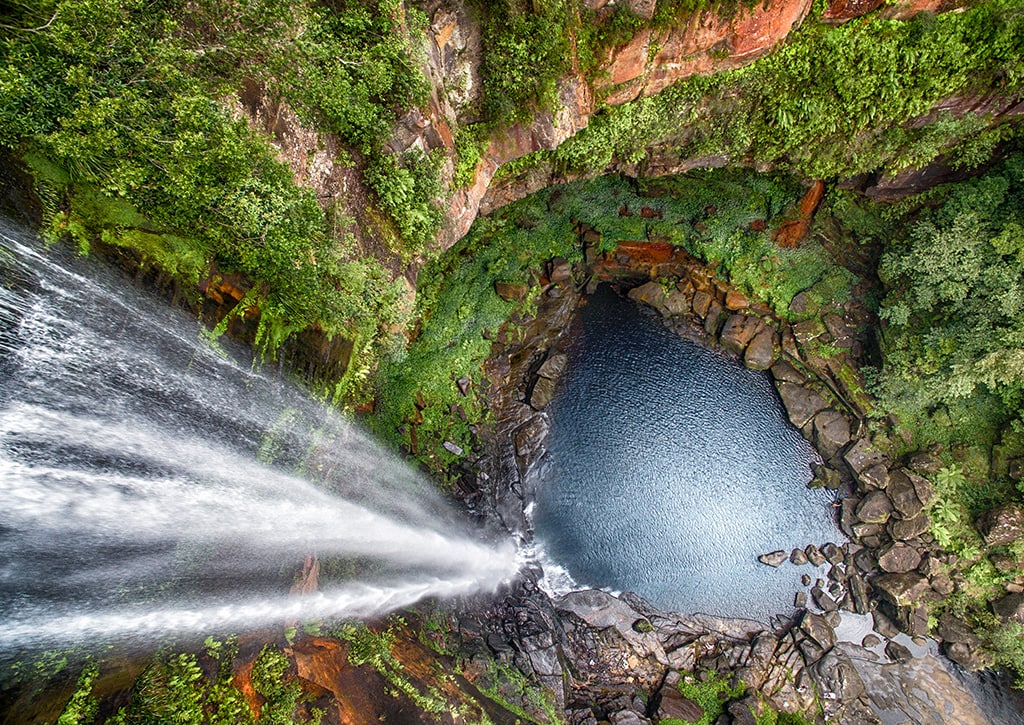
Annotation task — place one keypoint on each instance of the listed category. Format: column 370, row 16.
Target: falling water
column 153, row 483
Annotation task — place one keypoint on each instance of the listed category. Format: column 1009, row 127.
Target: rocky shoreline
column 618, row 659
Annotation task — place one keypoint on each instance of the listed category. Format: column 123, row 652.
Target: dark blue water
column 671, row 469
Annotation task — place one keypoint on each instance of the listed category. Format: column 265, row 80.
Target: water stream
column 671, row 468
column 155, row 483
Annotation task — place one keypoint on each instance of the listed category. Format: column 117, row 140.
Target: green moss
column 710, row 694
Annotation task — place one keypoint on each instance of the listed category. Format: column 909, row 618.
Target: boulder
column 907, row 529
column 701, row 303
column 561, row 271
column 761, row 352
column 870, row 640
column 1002, row 525
column 898, row 652
column 675, row 706
column 875, row 508
column 831, row 432
column 899, row 559
column 798, row 557
column 800, row 600
column 774, row 558
column 1010, row 607
column 554, row 366
column 922, row 486
column 738, row 332
column 541, row 393
column 808, row 330
column 784, row 372
column 814, row 555
column 651, row 294
column 903, row 495
column 677, row 303
column 511, row 292
column 734, row 300
column 859, row 594
column 713, row 318
column 801, row 403
column 817, row 628
column 883, row 625
column 904, row 589
column 874, row 477
column 837, row 677
column 861, row 456
column 833, row 554
column 966, row 655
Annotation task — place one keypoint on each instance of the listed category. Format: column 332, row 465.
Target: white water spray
column 151, row 485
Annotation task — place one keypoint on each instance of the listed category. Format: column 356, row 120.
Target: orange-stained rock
column 707, row 43
column 841, row 10
column 790, row 233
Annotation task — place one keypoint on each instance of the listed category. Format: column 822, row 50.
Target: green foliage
column 955, row 312
column 117, row 107
column 175, row 688
column 526, row 51
column 709, row 695
column 845, row 115
column 83, row 705
column 370, row 648
column 1006, row 644
column 509, row 687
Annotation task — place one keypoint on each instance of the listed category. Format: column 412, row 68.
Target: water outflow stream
column 152, row 484
column 671, row 468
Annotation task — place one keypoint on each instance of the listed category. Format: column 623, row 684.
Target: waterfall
column 155, row 484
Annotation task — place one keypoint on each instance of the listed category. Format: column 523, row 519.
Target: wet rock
column 627, row 717
column 800, row 600
column 966, row 655
column 869, row 641
column 783, row 371
column 651, row 294
column 831, row 432
column 677, row 303
column 1002, row 525
column 463, row 385
column 861, row 456
column 875, row 508
column 529, row 441
column 774, row 558
column 805, row 579
column 907, row 529
column 761, row 352
column 874, row 478
column 798, row 557
column 825, row 602
column 542, row 393
column 1010, row 607
column 833, row 554
column 884, row 625
column 814, row 555
column 701, row 303
column 817, row 628
column 511, row 292
column 859, row 594
column 554, row 366
column 899, row 559
column 801, row 403
column 674, row 705
column 902, row 589
column 738, row 331
column 825, row 477
column 903, row 495
column 865, row 560
column 714, row 318
column 837, row 677
column 898, row 653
